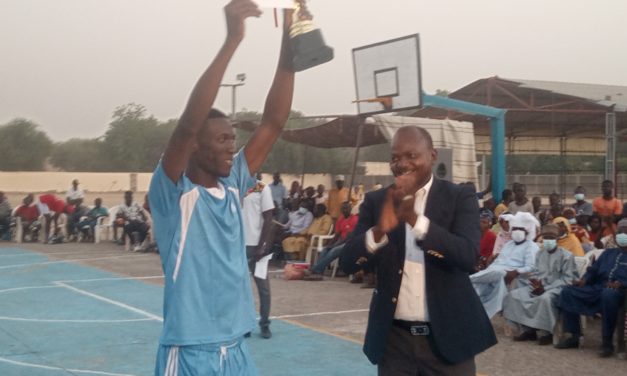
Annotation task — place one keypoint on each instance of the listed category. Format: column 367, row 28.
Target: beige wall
column 107, row 185
column 61, row 181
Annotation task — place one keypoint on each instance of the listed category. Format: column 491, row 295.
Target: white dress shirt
column 411, row 304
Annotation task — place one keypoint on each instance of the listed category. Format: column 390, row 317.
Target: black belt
column 415, row 328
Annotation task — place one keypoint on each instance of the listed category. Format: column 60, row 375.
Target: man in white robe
column 533, row 307
column 514, row 263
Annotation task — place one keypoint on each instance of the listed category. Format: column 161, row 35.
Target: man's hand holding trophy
column 306, row 41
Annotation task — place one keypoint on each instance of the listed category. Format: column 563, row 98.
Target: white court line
column 21, row 254
column 110, row 279
column 46, row 254
column 61, row 261
column 29, row 288
column 111, row 301
column 319, row 314
column 32, row 365
column 77, row 321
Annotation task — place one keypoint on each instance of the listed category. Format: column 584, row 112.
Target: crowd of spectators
column 53, row 219
column 545, row 265
column 539, row 265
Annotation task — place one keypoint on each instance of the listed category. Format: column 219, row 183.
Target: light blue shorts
column 226, row 359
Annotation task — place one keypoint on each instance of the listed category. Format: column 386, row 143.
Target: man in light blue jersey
column 195, row 196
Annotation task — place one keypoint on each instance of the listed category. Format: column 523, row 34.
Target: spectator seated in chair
column 296, row 244
column 29, row 214
column 532, row 308
column 134, row 221
column 5, row 218
column 488, row 238
column 516, row 260
column 80, row 211
column 601, row 290
column 88, row 222
column 343, row 227
column 567, row 239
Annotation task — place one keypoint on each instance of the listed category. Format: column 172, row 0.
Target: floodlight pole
column 241, row 78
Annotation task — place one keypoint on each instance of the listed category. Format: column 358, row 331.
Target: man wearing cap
column 516, row 260
column 337, row 196
column 532, row 307
column 601, row 290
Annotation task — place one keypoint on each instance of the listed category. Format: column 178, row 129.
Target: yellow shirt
column 500, row 209
column 320, row 225
column 335, row 200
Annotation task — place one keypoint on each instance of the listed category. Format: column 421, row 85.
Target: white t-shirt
column 75, row 194
column 257, row 200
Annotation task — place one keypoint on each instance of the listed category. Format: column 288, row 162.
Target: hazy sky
column 66, row 64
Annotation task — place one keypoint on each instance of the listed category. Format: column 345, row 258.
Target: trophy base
column 309, row 50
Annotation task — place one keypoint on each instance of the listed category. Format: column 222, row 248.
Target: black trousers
column 408, row 355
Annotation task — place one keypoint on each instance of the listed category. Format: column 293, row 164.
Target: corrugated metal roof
column 605, row 95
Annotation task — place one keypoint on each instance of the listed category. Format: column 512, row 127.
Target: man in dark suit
column 422, row 236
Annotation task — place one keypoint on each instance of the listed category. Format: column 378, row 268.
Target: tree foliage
column 79, row 155
column 134, row 141
column 23, row 147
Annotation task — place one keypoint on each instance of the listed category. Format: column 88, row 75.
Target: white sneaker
column 137, row 248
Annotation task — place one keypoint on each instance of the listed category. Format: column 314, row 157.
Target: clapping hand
column 614, row 285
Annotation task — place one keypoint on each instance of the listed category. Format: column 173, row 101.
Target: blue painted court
column 61, row 318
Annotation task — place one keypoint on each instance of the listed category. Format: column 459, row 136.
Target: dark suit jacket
column 460, row 327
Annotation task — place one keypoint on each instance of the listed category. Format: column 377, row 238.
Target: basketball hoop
column 387, row 76
column 386, row 102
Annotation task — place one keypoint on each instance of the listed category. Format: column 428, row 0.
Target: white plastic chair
column 103, row 224
column 317, row 243
column 19, row 229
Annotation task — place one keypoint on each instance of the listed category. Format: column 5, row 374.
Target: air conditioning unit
column 443, row 166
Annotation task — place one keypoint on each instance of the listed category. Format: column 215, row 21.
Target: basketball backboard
column 387, row 76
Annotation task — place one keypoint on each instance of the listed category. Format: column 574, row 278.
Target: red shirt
column 486, row 246
column 27, row 213
column 345, row 226
column 54, row 203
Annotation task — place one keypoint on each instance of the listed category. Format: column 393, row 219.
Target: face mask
column 518, row 236
column 621, row 240
column 549, row 244
column 302, row 210
column 579, row 196
column 572, row 221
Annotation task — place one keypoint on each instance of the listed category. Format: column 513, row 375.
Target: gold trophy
column 308, row 47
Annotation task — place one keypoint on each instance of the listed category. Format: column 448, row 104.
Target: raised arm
column 278, row 105
column 204, row 93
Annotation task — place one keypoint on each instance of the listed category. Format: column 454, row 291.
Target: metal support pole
column 233, row 98
column 241, row 77
column 356, row 158
column 497, row 131
column 483, row 172
column 562, row 173
column 610, row 151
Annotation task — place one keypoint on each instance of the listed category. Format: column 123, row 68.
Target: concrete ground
column 338, row 308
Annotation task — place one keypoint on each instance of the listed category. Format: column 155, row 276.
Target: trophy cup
column 308, row 48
